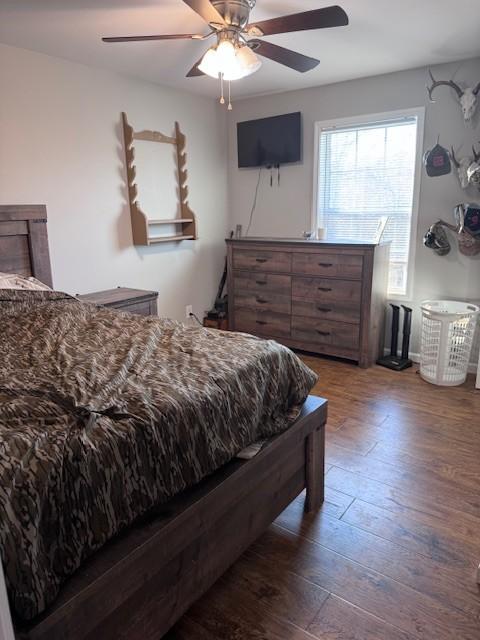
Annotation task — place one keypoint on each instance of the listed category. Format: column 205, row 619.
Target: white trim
column 477, row 382
column 6, row 626
column 419, row 113
column 415, row 357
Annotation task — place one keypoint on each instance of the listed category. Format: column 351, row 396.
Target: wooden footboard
column 141, row 583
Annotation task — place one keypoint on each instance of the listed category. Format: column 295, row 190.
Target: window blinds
column 367, row 172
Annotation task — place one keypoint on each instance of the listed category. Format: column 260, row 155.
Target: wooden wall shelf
column 171, row 221
column 140, row 223
column 158, row 239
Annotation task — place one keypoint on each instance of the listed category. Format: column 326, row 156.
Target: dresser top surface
column 303, row 242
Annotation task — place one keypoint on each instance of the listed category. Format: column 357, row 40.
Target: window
column 366, row 171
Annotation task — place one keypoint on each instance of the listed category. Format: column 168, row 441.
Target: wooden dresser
column 317, row 296
column 137, row 301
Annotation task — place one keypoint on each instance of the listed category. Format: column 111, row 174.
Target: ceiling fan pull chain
column 222, row 99
column 230, row 96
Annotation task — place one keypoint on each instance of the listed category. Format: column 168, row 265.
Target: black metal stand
column 393, row 361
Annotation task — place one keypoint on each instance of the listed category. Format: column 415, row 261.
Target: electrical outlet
column 188, row 310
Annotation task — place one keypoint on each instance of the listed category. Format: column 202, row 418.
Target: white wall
column 286, row 211
column 61, row 145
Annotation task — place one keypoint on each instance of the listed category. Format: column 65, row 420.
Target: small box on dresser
column 318, row 296
column 137, row 301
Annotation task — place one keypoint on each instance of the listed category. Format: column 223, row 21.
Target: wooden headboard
column 24, row 241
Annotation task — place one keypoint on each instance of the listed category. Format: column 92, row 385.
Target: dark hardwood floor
column 392, row 555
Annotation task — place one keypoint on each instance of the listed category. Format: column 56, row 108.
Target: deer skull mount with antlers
column 473, row 170
column 462, row 165
column 468, row 169
column 467, row 97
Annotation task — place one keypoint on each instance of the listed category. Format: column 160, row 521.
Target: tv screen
column 270, row 141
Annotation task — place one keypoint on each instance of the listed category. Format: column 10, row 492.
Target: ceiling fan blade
column 317, row 19
column 206, row 10
column 287, row 57
column 195, row 71
column 170, row 36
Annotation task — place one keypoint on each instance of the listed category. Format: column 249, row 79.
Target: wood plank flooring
column 392, row 554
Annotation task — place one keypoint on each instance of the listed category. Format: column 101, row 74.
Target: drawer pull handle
column 261, row 322
column 261, row 260
column 325, row 264
column 323, row 333
column 324, row 288
column 260, row 282
column 324, row 309
column 261, row 301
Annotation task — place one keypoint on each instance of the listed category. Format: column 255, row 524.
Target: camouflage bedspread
column 104, row 415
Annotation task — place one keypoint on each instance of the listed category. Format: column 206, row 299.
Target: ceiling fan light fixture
column 209, row 64
column 248, row 59
column 221, row 60
column 226, row 53
column 230, row 62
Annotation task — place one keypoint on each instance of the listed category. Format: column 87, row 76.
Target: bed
column 195, row 520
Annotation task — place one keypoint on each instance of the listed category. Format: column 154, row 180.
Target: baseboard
column 415, row 357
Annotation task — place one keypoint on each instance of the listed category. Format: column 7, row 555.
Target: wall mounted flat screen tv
column 270, row 141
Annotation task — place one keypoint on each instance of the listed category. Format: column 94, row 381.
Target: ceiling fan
column 235, row 54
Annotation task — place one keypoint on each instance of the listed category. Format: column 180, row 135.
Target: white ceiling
column 383, row 36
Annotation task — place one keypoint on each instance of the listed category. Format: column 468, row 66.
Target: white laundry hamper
column 448, row 328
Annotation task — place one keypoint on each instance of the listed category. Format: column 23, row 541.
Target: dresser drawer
column 263, row 301
column 328, row 265
column 336, row 334
column 326, row 290
column 140, row 308
column 258, row 260
column 262, row 323
column 262, row 282
column 338, row 311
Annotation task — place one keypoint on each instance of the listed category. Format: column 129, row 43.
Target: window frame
column 374, row 118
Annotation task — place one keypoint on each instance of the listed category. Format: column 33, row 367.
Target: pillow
column 16, row 281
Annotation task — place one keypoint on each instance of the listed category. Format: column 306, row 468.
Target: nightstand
column 137, row 301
